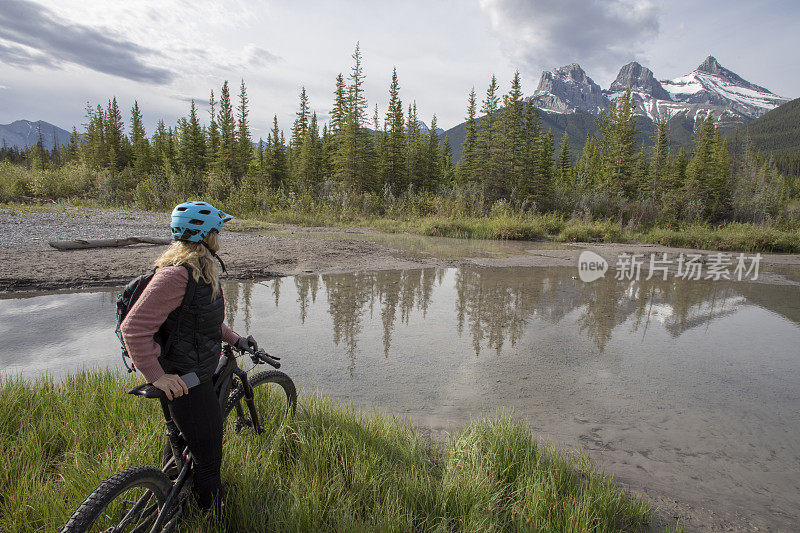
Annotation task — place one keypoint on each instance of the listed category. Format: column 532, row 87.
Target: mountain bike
column 148, row 499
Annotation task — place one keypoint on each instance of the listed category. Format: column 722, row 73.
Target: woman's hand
column 247, row 344
column 172, row 385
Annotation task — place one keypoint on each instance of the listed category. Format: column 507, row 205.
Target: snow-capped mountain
column 22, row 133
column 710, row 88
column 711, row 83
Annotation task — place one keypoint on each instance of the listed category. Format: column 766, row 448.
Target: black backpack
column 128, row 297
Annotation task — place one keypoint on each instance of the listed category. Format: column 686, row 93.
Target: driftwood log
column 83, row 244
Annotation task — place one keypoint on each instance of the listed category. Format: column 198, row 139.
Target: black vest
column 194, row 332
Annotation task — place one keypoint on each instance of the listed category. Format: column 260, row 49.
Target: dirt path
column 28, row 263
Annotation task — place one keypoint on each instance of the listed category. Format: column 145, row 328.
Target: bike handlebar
column 259, row 356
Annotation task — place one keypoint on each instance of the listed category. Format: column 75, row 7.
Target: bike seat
column 147, row 390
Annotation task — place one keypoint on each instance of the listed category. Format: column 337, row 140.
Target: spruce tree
column 192, row 152
column 564, row 163
column 469, row 148
column 278, row 169
column 72, row 149
column 339, row 111
column 301, row 122
column 113, row 132
column 659, row 162
column 309, row 162
column 511, row 157
column 433, row 158
column 393, row 164
column 139, row 144
column 617, row 128
column 226, row 157
column 448, row 170
column 489, row 144
column 701, row 170
column 530, row 165
column 244, row 150
column 213, row 132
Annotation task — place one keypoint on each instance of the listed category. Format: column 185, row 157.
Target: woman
column 176, row 326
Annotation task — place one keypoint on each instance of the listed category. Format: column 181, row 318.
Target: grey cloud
column 18, row 56
column 38, row 28
column 259, row 57
column 602, row 34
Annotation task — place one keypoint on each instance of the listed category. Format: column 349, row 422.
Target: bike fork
column 249, row 400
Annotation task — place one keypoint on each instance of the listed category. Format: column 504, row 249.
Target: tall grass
column 331, row 468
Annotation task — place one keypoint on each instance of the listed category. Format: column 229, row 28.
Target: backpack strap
column 188, row 296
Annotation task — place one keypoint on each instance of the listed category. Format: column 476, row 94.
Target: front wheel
column 274, row 400
column 130, row 500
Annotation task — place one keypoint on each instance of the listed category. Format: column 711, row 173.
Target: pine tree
column 40, row 151
column 511, row 155
column 659, row 162
column 392, row 165
column 433, row 158
column 94, row 146
column 226, row 158
column 139, row 144
column 589, row 165
column 448, row 170
column 161, row 148
column 414, row 163
column 564, row 163
column 278, row 169
column 700, row 173
column 301, row 122
column 542, row 186
column 469, row 148
column 113, row 132
column 309, row 164
column 192, row 152
column 339, row 111
column 617, row 129
column 530, row 164
column 244, row 150
column 489, row 144
column 213, row 132
column 72, row 149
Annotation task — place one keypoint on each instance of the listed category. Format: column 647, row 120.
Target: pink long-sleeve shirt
column 162, row 295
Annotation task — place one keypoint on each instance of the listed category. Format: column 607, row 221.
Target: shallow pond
column 689, row 389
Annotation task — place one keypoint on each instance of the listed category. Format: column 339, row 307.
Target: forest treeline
column 389, row 164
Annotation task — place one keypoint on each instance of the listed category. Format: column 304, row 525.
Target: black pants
column 198, row 416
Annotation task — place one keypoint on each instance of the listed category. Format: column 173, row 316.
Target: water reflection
column 494, row 306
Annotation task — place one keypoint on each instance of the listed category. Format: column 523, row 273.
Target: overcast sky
column 56, row 56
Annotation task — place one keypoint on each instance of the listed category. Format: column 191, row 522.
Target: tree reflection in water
column 495, row 306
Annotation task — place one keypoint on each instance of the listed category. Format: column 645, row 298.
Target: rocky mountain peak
column 710, row 65
column 568, row 88
column 639, row 79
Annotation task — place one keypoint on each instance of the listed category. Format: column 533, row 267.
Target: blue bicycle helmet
column 192, row 221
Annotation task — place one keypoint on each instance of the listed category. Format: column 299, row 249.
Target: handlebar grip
column 267, row 358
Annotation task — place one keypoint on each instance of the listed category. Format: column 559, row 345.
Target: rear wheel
column 274, row 399
column 129, row 500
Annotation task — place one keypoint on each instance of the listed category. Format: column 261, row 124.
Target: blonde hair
column 203, row 265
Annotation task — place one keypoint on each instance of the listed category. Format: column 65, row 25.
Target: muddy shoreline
column 29, row 264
